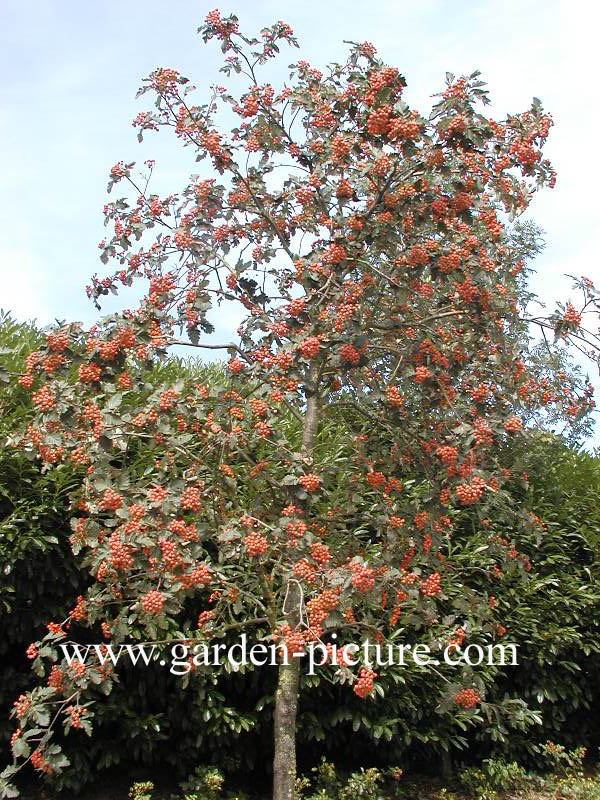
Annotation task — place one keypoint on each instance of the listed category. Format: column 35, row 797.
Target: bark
column 286, row 703
column 288, row 679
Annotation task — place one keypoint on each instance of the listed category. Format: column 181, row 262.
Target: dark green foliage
column 557, row 619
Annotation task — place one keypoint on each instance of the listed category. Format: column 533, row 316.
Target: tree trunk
column 288, row 678
column 286, row 703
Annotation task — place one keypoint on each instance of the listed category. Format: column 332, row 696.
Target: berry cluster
column 31, row 652
column 200, row 576
column 170, row 555
column 295, row 530
column 318, row 607
column 255, row 544
column 157, row 495
column 447, row 455
column 421, row 374
column 364, row 684
column 393, row 396
column 167, row 400
column 258, row 407
column 467, row 698
column 44, row 399
column 120, row 555
column 375, row 479
column 513, row 425
column 153, row 602
column 320, row 553
column 293, row 640
column 309, row 347
column 349, row 354
column 89, row 373
column 572, row 316
column 111, row 500
column 75, row 714
column 431, row 585
column 262, row 429
column 469, row 493
column 21, row 705
column 191, row 499
column 310, row 482
column 235, row 366
column 39, row 763
column 363, row 578
column 304, row 571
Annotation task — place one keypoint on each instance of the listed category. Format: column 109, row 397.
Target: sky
column 70, row 71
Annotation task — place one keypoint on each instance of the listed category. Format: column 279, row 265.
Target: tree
column 368, row 248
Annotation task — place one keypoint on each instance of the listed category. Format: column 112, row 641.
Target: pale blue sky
column 70, row 71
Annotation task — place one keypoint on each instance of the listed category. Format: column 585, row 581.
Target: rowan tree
column 369, row 249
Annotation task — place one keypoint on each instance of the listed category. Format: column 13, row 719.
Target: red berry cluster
column 44, row 399
column 349, row 354
column 482, row 433
column 111, row 500
column 513, row 425
column 319, row 606
column 334, row 254
column 421, row 374
column 153, row 602
column 258, row 407
column 310, row 482
column 191, row 499
column 457, row 639
column 379, row 120
column 320, row 553
column 255, row 544
column 167, row 400
column 57, row 341
column 75, row 714
column 448, row 455
column 340, row 147
column 235, row 366
column 365, row 682
column 304, row 571
column 295, row 530
column 38, row 762
column 55, row 679
column 344, row 189
column 467, row 698
column 309, row 347
column 200, row 576
column 78, row 613
column 420, row 519
column 157, row 495
column 21, row 705
column 120, row 556
column 204, row 617
column 293, row 640
column 393, row 397
column 296, row 307
column 89, row 373
column 375, row 479
column 571, row 315
column 469, row 493
column 431, row 585
column 171, row 557
column 363, row 578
